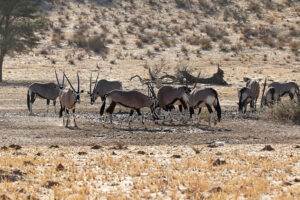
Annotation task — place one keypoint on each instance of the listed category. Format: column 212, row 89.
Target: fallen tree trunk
column 216, row 79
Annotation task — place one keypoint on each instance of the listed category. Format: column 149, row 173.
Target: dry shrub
column 205, row 43
column 254, row 7
column 94, row 43
column 285, row 111
column 146, row 38
column 182, row 3
column 193, row 40
column 139, row 43
column 295, row 47
column 214, row 32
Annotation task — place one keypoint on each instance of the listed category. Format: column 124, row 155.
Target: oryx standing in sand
column 68, row 100
column 276, row 90
column 48, row 91
column 205, row 97
column 130, row 99
column 248, row 94
column 102, row 87
column 167, row 96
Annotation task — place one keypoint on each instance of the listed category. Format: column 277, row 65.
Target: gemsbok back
column 133, row 100
column 48, row 91
column 276, row 90
column 248, row 94
column 167, row 96
column 208, row 97
column 102, row 88
column 68, row 99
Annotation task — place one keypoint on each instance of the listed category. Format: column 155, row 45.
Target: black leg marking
column 191, row 112
column 209, row 108
column 131, row 112
column 111, row 108
column 199, row 110
column 183, row 104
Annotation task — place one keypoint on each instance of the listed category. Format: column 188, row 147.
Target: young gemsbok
column 168, row 96
column 48, row 91
column 248, row 94
column 276, row 90
column 102, row 87
column 133, row 100
column 68, row 100
column 208, row 97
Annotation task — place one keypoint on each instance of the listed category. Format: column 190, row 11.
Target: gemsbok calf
column 102, row 87
column 133, row 100
column 168, row 96
column 68, row 100
column 208, row 97
column 276, row 90
column 248, row 94
column 48, row 91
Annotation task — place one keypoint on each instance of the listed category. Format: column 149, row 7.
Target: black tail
column 217, row 107
column 28, row 100
column 103, row 106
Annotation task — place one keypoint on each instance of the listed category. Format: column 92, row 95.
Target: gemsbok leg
column 54, row 105
column 74, row 118
column 141, row 117
column 48, row 102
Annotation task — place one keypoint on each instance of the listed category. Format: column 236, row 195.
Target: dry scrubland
column 161, row 172
column 255, row 39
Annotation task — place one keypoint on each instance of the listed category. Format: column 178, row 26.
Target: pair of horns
column 78, row 82
column 91, row 82
column 63, row 82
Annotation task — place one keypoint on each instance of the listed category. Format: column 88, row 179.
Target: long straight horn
column 57, row 78
column 96, row 81
column 69, row 82
column 91, row 84
column 196, row 81
column 63, row 82
column 78, row 82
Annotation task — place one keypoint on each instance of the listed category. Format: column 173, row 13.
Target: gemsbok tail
column 28, row 100
column 103, row 106
column 217, row 106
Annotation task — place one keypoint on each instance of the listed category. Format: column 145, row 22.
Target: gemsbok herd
column 167, row 97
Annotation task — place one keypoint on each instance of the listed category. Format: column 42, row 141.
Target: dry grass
column 150, row 172
column 285, row 111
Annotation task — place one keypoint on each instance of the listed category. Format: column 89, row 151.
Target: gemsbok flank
column 276, row 90
column 68, row 100
column 208, row 97
column 168, row 96
column 133, row 100
column 102, row 87
column 248, row 94
column 48, row 91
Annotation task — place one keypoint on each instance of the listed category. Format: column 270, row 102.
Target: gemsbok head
column 48, row 91
column 102, row 87
column 134, row 100
column 68, row 100
column 248, row 94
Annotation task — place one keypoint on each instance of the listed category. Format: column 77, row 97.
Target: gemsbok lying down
column 205, row 97
column 131, row 99
column 248, row 94
column 276, row 90
column 48, row 91
column 168, row 96
column 68, row 100
column 102, row 87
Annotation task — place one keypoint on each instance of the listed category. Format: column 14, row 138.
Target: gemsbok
column 133, row 100
column 168, row 96
column 276, row 90
column 102, row 87
column 68, row 100
column 48, row 91
column 248, row 94
column 208, row 97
